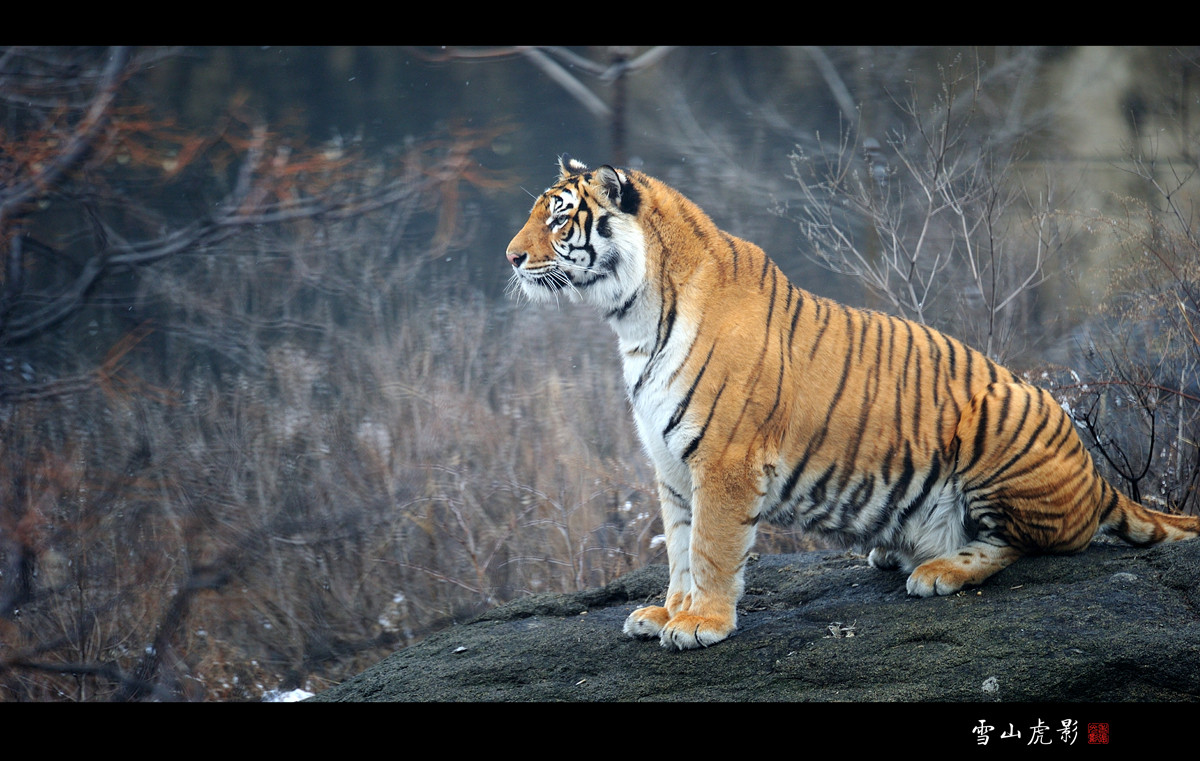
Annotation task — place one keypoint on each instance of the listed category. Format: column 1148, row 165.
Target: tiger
column 758, row 401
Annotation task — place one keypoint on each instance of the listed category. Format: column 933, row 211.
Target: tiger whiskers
column 557, row 280
column 541, row 285
column 515, row 288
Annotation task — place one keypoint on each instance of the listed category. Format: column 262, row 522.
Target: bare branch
column 573, row 86
column 78, row 141
column 835, row 83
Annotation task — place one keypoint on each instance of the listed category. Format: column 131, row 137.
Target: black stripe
column 677, row 497
column 795, row 317
column 952, row 360
column 1054, row 451
column 935, row 362
column 631, row 198
column 980, row 436
column 885, row 468
column 969, row 373
column 789, row 485
column 666, row 325
column 931, row 478
column 824, row 323
column 620, row 312
column 681, row 408
column 918, row 393
column 691, row 447
column 778, row 388
column 733, row 251
column 1112, row 503
column 858, row 498
column 817, row 495
column 891, row 512
column 841, row 385
column 770, row 305
column 878, row 347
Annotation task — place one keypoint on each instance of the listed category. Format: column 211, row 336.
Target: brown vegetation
column 265, row 446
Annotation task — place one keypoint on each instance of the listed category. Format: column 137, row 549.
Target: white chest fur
column 656, row 394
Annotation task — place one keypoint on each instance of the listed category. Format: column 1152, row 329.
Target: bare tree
column 925, row 220
column 563, row 67
column 1141, row 407
column 80, row 235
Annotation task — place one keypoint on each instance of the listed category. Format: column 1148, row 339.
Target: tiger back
column 758, row 401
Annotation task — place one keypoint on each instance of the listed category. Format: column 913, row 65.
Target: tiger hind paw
column 937, row 577
column 885, row 560
column 968, row 566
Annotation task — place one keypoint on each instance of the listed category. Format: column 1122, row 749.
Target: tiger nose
column 515, row 257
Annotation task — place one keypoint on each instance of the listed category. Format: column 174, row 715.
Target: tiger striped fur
column 757, row 401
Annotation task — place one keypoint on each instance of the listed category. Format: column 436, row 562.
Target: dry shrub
column 309, row 479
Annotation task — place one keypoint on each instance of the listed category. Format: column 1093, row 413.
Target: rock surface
column 1115, row 623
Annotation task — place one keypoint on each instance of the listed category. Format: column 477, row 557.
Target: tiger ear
column 610, row 182
column 569, row 167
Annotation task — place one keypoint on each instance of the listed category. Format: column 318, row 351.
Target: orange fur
column 757, row 401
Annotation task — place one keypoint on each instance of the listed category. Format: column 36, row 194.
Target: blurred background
column 267, row 415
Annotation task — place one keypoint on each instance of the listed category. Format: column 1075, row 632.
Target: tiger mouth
column 552, row 278
column 554, row 281
column 549, row 278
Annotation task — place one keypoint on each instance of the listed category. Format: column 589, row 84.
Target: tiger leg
column 1027, row 484
column 971, row 564
column 648, row 621
column 724, row 503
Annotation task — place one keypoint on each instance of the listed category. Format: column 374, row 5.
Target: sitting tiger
column 757, row 401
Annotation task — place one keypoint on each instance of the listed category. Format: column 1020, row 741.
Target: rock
column 1114, row 623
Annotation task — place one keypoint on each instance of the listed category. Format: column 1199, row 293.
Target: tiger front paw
column 686, row 631
column 647, row 622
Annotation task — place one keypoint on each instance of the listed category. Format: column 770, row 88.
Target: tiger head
column 582, row 238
